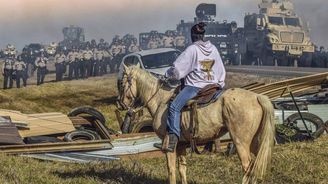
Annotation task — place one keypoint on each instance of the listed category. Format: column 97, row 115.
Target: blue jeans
column 175, row 107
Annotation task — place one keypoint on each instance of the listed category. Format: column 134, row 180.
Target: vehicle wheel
column 88, row 111
column 81, row 135
column 314, row 123
column 144, row 126
column 267, row 59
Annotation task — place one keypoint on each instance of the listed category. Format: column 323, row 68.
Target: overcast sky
column 27, row 21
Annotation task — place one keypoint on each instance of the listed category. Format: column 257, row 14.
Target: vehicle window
column 276, row 20
column 292, row 21
column 135, row 60
column 128, row 61
column 160, row 60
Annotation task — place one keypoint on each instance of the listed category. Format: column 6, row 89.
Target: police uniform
column 41, row 65
column 59, row 63
column 106, row 61
column 180, row 42
column 71, row 60
column 21, row 72
column 133, row 48
column 7, row 71
column 98, row 57
column 86, row 69
column 168, row 41
column 115, row 50
column 152, row 44
column 80, row 65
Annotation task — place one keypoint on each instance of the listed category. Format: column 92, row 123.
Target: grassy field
column 292, row 163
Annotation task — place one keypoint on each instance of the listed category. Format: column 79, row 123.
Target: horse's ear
column 126, row 69
column 138, row 65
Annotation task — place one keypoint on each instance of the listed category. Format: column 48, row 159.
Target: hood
column 205, row 47
column 158, row 71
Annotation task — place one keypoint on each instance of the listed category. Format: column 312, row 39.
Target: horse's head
column 128, row 91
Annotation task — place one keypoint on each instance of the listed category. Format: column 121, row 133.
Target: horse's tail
column 265, row 139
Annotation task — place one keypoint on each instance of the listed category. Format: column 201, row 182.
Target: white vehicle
column 156, row 61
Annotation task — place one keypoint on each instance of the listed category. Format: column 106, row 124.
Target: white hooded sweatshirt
column 200, row 64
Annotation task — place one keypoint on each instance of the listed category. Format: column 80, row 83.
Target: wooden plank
column 102, row 130
column 41, row 124
column 79, row 121
column 296, row 85
column 56, row 147
column 8, row 132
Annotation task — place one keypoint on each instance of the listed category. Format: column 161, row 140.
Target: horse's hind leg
column 242, row 146
column 171, row 158
column 182, row 153
column 244, row 155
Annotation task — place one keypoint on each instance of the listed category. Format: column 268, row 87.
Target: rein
column 137, row 110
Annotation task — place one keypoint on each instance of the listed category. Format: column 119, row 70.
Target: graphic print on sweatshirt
column 206, row 67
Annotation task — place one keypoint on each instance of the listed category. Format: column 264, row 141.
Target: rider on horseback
column 199, row 65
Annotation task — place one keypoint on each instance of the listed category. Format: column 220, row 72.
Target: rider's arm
column 183, row 65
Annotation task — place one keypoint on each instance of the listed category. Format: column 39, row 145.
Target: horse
column 247, row 116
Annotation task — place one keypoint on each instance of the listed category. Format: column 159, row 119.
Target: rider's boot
column 172, row 143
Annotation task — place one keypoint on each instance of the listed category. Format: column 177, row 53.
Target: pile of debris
column 80, row 136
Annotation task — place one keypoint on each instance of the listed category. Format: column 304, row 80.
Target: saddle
column 205, row 96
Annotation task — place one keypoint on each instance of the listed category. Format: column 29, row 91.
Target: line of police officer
column 169, row 40
column 13, row 68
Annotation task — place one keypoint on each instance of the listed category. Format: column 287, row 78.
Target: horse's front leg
column 181, row 154
column 171, row 158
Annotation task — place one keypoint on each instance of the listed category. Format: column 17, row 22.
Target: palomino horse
column 247, row 116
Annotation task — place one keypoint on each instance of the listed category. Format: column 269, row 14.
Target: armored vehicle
column 224, row 35
column 277, row 36
column 73, row 37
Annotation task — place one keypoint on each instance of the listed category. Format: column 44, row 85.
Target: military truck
column 226, row 36
column 277, row 36
column 73, row 37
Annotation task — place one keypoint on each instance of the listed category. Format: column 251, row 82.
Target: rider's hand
column 163, row 79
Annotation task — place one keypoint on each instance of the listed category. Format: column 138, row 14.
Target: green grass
column 298, row 163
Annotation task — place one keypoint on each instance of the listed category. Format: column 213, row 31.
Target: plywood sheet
column 40, row 124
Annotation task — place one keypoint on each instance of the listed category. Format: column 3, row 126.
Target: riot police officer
column 168, row 40
column 98, row 56
column 7, row 71
column 133, row 47
column 106, row 61
column 180, row 42
column 72, row 64
column 20, row 68
column 41, row 66
column 152, row 43
column 115, row 50
column 59, row 64
column 86, row 68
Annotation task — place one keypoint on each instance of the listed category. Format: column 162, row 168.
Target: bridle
column 132, row 108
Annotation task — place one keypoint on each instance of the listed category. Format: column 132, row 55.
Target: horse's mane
column 145, row 81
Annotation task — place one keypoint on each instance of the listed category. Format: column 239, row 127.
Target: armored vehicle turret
column 73, row 37
column 224, row 35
